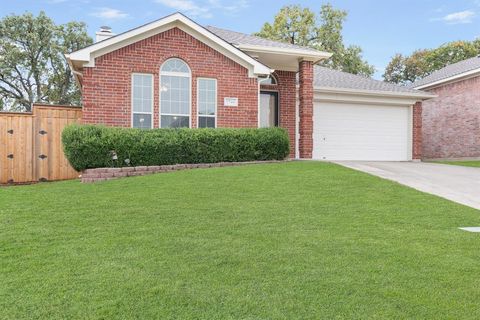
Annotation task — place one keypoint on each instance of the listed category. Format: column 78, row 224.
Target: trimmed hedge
column 91, row 146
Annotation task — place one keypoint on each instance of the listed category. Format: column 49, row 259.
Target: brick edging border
column 103, row 174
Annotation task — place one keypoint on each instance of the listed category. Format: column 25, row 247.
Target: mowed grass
column 298, row 240
column 470, row 163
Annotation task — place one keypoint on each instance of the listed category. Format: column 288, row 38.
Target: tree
column 292, row 24
column 32, row 63
column 421, row 63
column 300, row 26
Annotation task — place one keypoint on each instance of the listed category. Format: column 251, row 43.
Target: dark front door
column 269, row 113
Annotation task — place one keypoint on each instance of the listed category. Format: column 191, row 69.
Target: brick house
column 451, row 121
column 175, row 73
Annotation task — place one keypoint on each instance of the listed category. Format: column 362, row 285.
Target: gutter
column 420, row 95
column 306, row 54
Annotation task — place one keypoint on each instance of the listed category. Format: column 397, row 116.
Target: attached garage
column 348, row 131
column 358, row 118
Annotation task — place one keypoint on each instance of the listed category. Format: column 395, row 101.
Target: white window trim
column 198, row 102
column 131, row 98
column 174, row 73
column 177, row 74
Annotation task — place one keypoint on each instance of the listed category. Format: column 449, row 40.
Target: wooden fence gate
column 31, row 147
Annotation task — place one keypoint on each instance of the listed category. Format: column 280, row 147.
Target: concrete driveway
column 456, row 183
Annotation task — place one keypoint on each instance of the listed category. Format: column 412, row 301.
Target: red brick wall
column 305, row 95
column 286, row 89
column 451, row 122
column 417, row 132
column 106, row 88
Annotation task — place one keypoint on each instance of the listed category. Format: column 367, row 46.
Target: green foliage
column 408, row 69
column 89, row 146
column 300, row 26
column 466, row 163
column 292, row 24
column 32, row 63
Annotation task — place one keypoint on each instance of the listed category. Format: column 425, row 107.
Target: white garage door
column 361, row 132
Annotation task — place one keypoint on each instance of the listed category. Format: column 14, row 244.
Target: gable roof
column 449, row 73
column 275, row 54
column 328, row 79
column 86, row 56
column 242, row 40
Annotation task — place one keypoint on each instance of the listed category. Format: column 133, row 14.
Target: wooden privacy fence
column 31, row 144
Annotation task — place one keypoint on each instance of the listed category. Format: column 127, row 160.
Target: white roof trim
column 378, row 93
column 303, row 53
column 87, row 55
column 449, row 79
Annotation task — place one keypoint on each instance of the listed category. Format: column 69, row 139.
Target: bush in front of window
column 92, row 146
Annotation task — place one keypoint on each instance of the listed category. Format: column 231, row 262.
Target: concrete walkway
column 456, row 183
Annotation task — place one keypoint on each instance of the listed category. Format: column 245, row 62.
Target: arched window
column 175, row 94
column 269, row 80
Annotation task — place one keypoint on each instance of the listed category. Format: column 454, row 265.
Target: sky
column 380, row 28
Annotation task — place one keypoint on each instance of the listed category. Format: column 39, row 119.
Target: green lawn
column 298, row 240
column 469, row 163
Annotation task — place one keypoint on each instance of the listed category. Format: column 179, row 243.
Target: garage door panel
column 361, row 132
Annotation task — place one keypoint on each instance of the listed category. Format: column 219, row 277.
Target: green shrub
column 89, row 146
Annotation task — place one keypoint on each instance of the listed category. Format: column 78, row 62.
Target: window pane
column 206, row 96
column 268, row 110
column 137, row 79
column 137, row 92
column 147, row 92
column 206, row 122
column 269, row 80
column 175, row 122
column 175, row 65
column 210, row 110
column 142, row 121
column 142, row 85
column 175, row 95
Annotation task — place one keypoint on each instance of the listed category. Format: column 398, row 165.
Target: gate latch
column 10, row 156
column 10, row 131
column 42, row 132
column 42, row 156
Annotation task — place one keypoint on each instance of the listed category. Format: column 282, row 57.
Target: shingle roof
column 237, row 38
column 328, row 78
column 454, row 69
column 323, row 77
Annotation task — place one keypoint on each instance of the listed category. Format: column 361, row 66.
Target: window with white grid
column 175, row 97
column 142, row 101
column 207, row 102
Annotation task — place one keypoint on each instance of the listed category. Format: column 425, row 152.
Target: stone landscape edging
column 103, row 174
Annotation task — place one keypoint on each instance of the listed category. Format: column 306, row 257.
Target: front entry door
column 269, row 113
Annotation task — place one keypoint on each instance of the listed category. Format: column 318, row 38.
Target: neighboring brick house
column 451, row 121
column 175, row 73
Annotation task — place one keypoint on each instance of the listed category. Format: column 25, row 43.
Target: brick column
column 305, row 93
column 417, row 131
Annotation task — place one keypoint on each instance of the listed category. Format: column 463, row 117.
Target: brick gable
column 451, row 122
column 106, row 88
